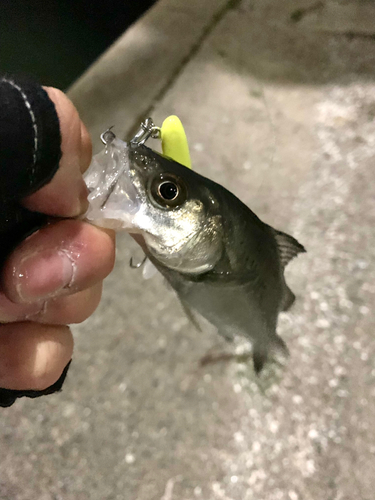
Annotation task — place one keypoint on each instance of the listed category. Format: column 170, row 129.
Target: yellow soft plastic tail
column 174, row 142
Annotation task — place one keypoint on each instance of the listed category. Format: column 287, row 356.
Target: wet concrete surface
column 281, row 113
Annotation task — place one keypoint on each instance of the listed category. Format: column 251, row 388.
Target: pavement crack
column 207, row 30
column 355, row 35
column 298, row 14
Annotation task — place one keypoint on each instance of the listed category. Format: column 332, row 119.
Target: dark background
column 55, row 41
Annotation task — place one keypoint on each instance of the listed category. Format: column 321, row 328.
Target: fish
column 222, row 260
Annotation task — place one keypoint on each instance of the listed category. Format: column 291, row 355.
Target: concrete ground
column 278, row 100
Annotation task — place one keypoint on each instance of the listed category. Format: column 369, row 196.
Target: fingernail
column 44, row 275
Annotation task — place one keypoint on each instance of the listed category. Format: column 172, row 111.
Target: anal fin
column 190, row 315
column 280, row 345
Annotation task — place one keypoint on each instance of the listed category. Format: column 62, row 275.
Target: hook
column 108, row 136
column 147, row 129
column 139, row 265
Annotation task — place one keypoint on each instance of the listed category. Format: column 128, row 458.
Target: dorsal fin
column 288, row 247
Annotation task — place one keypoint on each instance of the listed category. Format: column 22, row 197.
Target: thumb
column 66, row 194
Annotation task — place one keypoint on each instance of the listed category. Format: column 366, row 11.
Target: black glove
column 30, row 152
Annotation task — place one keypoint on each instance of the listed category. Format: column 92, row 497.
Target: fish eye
column 168, row 191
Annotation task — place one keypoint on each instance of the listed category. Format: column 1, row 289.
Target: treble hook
column 108, row 136
column 146, row 130
column 139, row 265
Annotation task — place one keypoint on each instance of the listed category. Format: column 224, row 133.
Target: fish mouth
column 113, row 197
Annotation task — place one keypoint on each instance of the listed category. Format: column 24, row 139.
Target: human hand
column 54, row 277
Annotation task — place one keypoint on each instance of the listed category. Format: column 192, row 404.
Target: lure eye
column 168, row 191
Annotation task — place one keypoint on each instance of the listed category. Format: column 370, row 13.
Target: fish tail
column 289, row 299
column 260, row 357
column 261, row 352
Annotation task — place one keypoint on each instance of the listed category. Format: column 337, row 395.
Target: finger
column 70, row 309
column 60, row 311
column 33, row 356
column 66, row 194
column 11, row 312
column 60, row 259
column 86, row 149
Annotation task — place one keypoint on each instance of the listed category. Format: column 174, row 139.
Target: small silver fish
column 220, row 258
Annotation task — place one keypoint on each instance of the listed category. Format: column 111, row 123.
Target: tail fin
column 260, row 357
column 261, row 352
